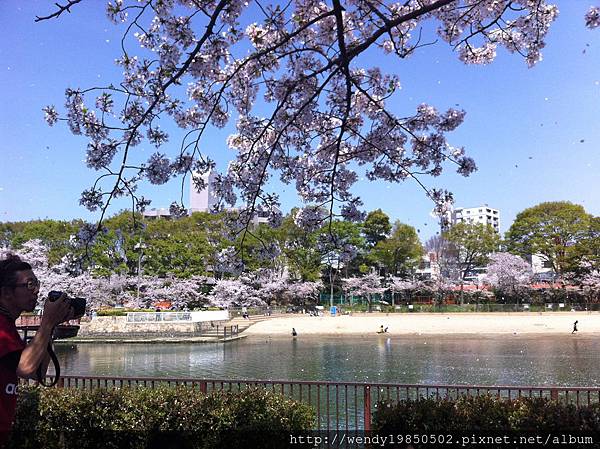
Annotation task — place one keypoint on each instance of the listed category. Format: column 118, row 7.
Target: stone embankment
column 117, row 326
column 116, row 329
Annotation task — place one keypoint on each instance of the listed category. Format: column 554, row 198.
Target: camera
column 78, row 304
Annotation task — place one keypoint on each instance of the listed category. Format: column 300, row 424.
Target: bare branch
column 61, row 9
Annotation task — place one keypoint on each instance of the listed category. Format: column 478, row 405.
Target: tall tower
column 205, row 199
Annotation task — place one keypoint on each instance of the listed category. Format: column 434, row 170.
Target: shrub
column 486, row 416
column 163, row 417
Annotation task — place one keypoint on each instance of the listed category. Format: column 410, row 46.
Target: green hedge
column 163, row 417
column 487, row 416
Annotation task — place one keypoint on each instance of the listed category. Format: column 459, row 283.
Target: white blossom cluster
column 591, row 283
column 307, row 103
column 228, row 261
column 399, row 284
column 592, row 18
column 111, row 291
column 234, row 293
column 432, row 286
column 508, row 272
column 303, row 292
column 248, row 292
column 367, row 285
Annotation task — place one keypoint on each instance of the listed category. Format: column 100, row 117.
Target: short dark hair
column 9, row 267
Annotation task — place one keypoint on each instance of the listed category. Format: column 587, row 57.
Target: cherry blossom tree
column 508, row 273
column 272, row 286
column 35, row 253
column 436, row 287
column 110, row 291
column 306, row 101
column 273, row 290
column 591, row 285
column 365, row 286
column 181, row 293
column 227, row 262
column 234, row 293
column 302, row 293
column 401, row 285
column 261, row 288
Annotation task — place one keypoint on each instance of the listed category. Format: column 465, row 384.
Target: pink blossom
column 307, row 104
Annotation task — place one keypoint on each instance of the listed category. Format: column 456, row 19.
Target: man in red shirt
column 19, row 290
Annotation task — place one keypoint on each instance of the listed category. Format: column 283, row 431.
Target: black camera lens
column 54, row 295
column 77, row 304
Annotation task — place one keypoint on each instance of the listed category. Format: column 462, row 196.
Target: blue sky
column 534, row 133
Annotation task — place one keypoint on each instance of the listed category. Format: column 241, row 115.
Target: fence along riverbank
column 341, row 406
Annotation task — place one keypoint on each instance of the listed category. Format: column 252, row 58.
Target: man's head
column 19, row 287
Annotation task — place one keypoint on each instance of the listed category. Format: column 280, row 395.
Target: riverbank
column 430, row 323
column 147, row 340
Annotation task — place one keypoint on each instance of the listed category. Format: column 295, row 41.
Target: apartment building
column 475, row 215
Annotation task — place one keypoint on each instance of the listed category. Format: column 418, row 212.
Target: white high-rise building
column 475, row 215
column 204, row 200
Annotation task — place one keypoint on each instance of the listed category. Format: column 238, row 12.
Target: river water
column 569, row 360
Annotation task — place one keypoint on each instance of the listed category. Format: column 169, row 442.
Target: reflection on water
column 502, row 360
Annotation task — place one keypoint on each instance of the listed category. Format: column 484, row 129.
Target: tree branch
column 60, row 10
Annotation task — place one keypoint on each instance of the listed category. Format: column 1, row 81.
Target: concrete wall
column 118, row 325
column 178, row 317
column 210, row 315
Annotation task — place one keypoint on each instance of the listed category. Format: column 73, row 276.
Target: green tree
column 54, row 234
column 256, row 249
column 299, row 248
column 183, row 247
column 584, row 256
column 472, row 243
column 114, row 250
column 399, row 254
column 376, row 227
column 554, row 230
column 339, row 243
column 335, row 239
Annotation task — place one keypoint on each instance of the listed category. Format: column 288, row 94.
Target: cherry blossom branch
column 61, row 9
column 163, row 88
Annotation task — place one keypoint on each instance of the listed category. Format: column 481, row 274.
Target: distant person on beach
column 575, row 326
column 294, row 333
column 381, row 330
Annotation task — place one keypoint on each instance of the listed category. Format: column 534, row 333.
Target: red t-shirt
column 11, row 346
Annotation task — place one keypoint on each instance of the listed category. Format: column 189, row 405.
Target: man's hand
column 35, row 355
column 59, row 311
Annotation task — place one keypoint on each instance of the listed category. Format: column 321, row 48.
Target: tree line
column 563, row 235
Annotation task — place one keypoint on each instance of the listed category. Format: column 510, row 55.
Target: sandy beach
column 554, row 323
